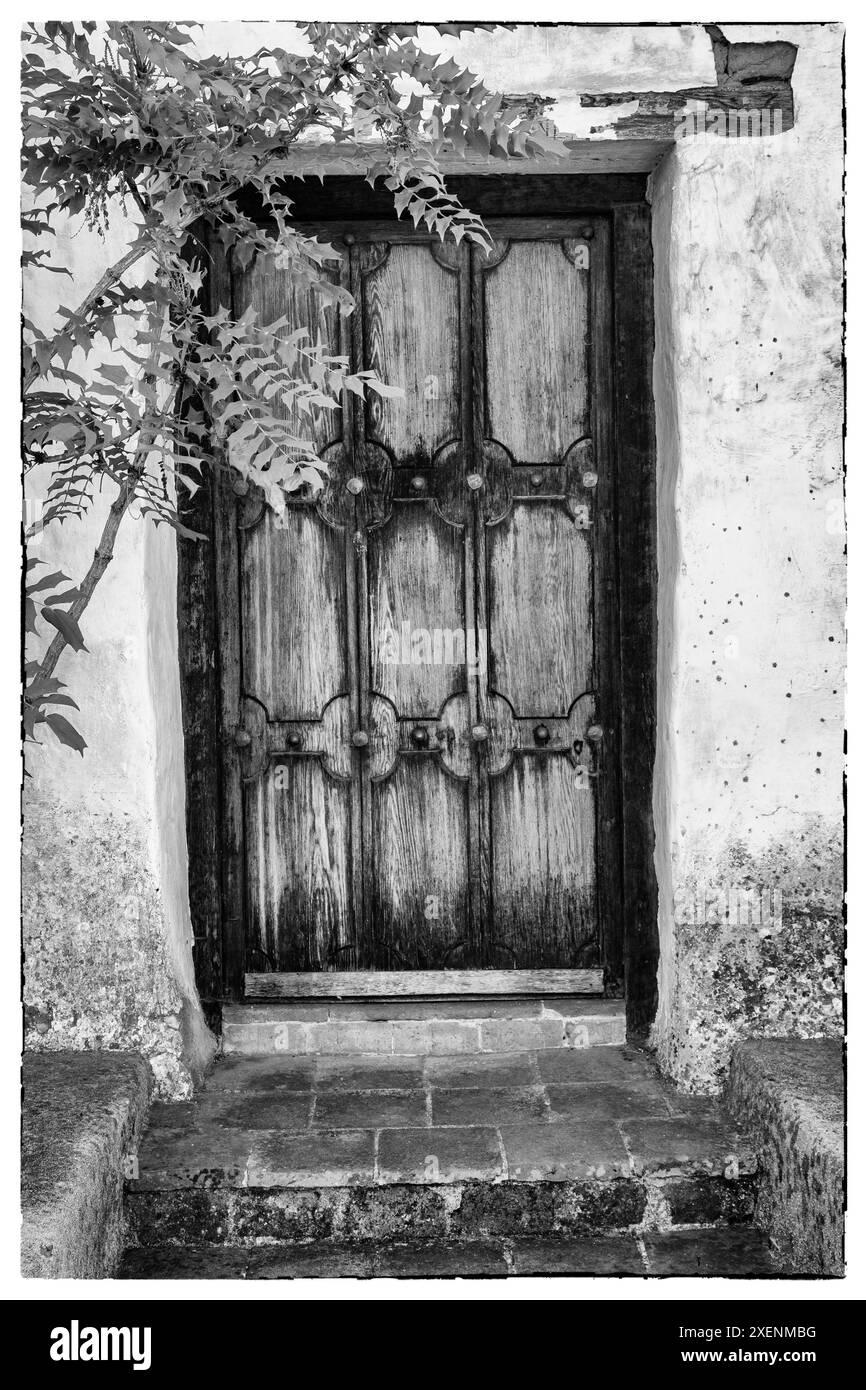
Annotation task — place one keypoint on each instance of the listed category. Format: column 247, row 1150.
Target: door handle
column 242, row 738
column 479, row 733
column 360, row 738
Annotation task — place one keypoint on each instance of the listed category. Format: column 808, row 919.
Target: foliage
column 132, row 120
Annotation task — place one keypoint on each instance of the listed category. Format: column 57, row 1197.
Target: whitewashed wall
column 107, row 933
column 748, row 786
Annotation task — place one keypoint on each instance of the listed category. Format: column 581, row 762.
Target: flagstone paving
column 558, row 1162
column 321, row 1121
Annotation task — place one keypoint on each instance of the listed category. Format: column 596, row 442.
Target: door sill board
column 429, row 984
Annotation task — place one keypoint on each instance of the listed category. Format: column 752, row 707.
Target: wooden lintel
column 381, row 984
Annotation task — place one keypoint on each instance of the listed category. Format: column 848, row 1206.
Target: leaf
column 173, row 207
column 48, row 581
column 41, row 685
column 66, row 626
column 383, row 389
column 68, row 596
column 66, row 733
column 60, row 700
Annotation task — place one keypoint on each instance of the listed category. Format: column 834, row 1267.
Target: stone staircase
column 493, row 1146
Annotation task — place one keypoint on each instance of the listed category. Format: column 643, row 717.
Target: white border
column 11, row 1284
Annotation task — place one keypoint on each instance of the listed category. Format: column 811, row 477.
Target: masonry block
column 790, row 1092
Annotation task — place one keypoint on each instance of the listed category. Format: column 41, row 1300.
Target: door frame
column 209, row 672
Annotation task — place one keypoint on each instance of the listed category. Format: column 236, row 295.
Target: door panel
column 419, row 740
column 543, row 861
column 536, row 346
column 420, row 837
column 417, row 610
column 298, row 830
column 411, row 339
column 293, row 613
column 539, row 609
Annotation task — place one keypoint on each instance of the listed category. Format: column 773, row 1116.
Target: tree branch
column 104, row 282
column 104, row 551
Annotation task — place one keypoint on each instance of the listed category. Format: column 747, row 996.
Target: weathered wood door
column 418, row 678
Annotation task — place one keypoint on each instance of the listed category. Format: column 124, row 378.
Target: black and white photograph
column 433, row 663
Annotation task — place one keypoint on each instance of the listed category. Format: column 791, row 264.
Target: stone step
column 419, row 1027
column 726, row 1252
column 791, row 1092
column 237, row 1217
column 556, row 1143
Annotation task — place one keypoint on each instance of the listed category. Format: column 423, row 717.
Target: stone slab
column 370, row 1109
column 419, row 1260
column 725, row 1253
column 289, row 1073
column 597, row 1256
column 732, row 1252
column 82, row 1113
column 290, row 1111
column 706, row 1200
column 439, row 1155
column 337, row 1158
column 558, row 1152
column 616, row 1065
column 494, row 1105
column 681, row 1146
column 595, row 1100
column 319, row 1261
column 217, row 1157
column 790, row 1092
column 475, row 1072
column 184, row 1262
column 369, row 1073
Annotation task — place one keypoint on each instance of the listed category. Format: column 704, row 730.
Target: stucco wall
column 747, row 250
column 107, row 934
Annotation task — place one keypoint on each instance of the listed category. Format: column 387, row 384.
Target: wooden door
column 418, row 683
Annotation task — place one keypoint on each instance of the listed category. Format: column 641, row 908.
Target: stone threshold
column 422, row 1027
